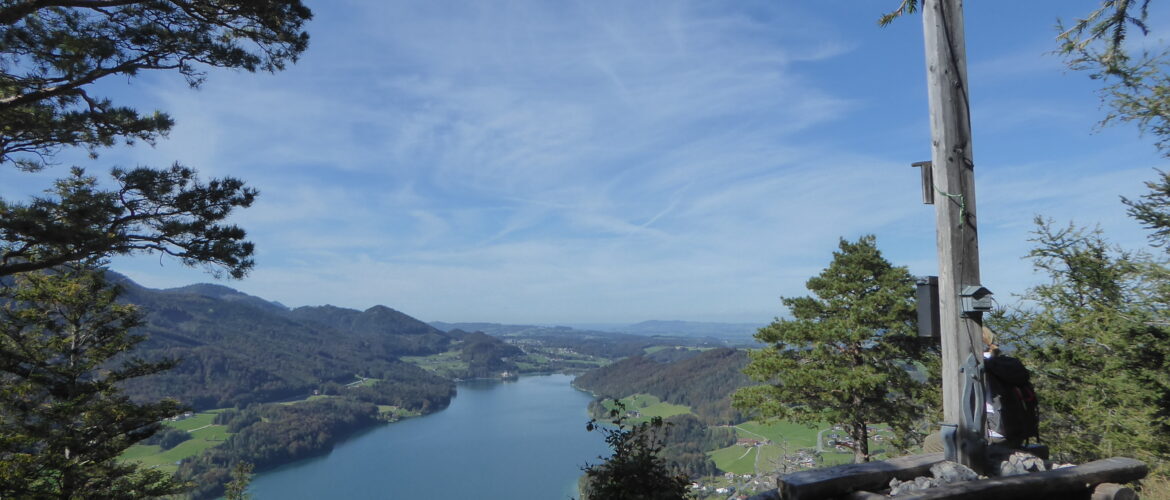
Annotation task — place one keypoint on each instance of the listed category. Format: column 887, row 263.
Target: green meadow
column 649, row 407
column 204, row 435
column 786, row 438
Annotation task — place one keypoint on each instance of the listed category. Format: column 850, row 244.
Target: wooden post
column 954, row 182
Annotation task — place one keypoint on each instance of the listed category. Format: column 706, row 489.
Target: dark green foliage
column 163, row 211
column 54, row 51
column 1153, row 210
column 905, row 7
column 168, row 437
column 689, row 440
column 843, row 357
column 673, row 354
column 703, row 382
column 63, row 419
column 486, row 355
column 406, row 386
column 1136, row 84
column 386, row 331
column 1097, row 342
column 635, row 471
column 237, row 349
column 63, row 352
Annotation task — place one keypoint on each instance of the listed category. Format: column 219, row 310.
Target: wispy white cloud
column 617, row 161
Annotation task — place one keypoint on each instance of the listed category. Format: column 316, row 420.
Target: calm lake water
column 497, row 441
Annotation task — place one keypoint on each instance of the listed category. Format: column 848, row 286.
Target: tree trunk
column 860, row 443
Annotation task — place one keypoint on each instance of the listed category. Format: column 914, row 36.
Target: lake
column 498, row 440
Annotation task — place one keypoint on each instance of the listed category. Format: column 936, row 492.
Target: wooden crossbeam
column 856, row 481
column 1058, row 483
column 843, row 479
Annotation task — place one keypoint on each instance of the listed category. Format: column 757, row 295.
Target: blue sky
column 607, row 161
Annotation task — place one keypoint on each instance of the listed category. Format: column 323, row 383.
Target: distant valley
column 717, row 333
column 272, row 384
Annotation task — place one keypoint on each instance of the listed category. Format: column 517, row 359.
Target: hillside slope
column 237, row 349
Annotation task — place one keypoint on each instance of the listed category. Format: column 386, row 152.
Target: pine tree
column 55, row 53
column 63, row 419
column 845, row 356
column 1097, row 339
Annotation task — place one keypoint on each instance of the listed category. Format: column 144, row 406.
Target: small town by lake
column 497, row 441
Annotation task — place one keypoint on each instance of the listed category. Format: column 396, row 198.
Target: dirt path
column 752, row 433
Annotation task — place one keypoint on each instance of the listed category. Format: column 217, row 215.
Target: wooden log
column 844, row 479
column 864, row 495
column 1113, row 491
column 1059, row 483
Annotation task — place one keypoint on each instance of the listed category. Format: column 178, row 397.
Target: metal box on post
column 927, row 299
column 976, row 299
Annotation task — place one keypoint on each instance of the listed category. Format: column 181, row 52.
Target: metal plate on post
column 927, row 301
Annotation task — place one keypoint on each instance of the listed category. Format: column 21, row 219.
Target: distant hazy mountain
column 502, row 330
column 737, row 332
column 693, row 329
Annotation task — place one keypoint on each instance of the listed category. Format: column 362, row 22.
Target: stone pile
column 940, row 474
column 943, row 473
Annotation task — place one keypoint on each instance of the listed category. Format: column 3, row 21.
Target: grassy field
column 442, row 363
column 310, row 398
column 796, row 435
column 786, row 438
column 204, row 434
column 396, row 413
column 196, row 421
column 649, row 407
column 736, row 459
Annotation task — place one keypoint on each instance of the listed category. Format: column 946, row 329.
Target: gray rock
column 952, row 472
column 918, row 484
column 1020, row 463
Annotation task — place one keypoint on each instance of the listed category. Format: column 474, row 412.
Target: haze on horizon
column 608, row 162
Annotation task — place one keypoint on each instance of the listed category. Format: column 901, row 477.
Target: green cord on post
column 962, row 203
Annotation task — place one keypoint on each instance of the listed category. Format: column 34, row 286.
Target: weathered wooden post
column 954, row 182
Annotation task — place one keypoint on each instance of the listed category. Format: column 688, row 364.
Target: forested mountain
column 487, row 356
column 390, row 331
column 237, row 349
column 704, row 381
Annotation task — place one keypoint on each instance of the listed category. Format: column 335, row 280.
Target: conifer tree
column 63, row 337
column 63, row 420
column 1097, row 340
column 53, row 54
column 843, row 358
